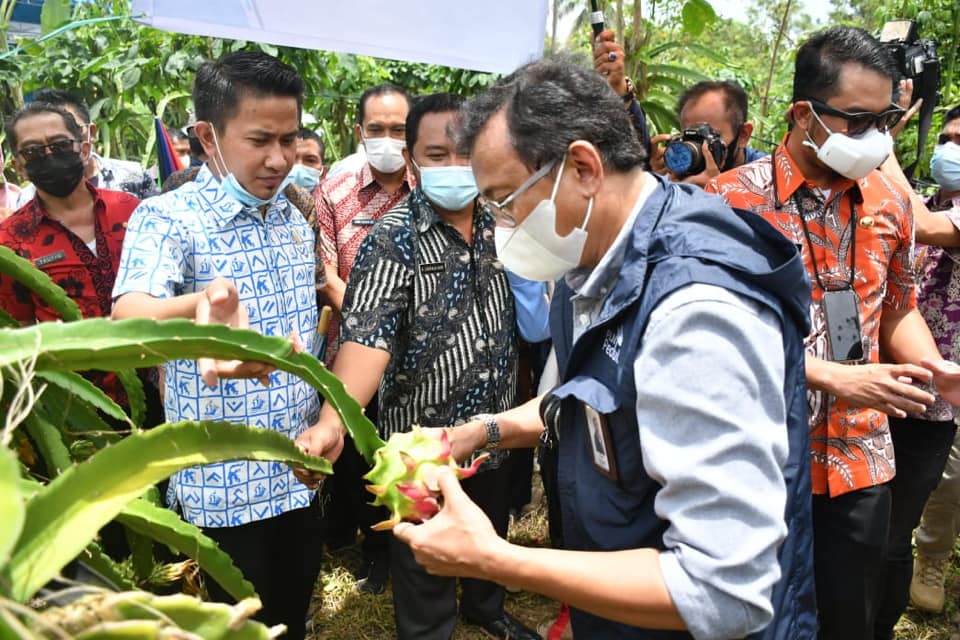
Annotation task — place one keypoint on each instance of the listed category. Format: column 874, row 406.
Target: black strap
column 806, row 230
column 929, row 90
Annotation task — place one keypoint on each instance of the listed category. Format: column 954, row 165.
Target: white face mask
column 385, row 154
column 533, row 249
column 851, row 157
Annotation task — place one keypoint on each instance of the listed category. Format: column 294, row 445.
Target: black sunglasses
column 858, row 123
column 37, row 151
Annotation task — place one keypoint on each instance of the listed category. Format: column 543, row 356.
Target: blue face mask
column 945, row 166
column 305, row 177
column 232, row 187
column 450, row 188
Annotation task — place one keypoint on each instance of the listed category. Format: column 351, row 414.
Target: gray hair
column 549, row 104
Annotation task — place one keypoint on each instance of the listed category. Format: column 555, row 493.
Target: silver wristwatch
column 493, row 429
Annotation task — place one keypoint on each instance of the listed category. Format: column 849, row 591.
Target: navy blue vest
column 682, row 236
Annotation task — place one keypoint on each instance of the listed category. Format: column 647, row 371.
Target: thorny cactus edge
column 405, row 475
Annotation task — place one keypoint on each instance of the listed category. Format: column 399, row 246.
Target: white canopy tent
column 485, row 35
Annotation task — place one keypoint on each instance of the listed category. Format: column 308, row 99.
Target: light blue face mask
column 945, row 166
column 305, row 177
column 450, row 188
column 232, row 187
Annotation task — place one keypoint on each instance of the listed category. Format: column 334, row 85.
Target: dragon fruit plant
column 405, row 475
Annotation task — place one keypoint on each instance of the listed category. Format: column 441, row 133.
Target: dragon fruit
column 404, row 475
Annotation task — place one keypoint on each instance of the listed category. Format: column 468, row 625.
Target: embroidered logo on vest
column 612, row 342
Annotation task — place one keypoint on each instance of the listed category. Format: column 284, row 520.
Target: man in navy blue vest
column 678, row 428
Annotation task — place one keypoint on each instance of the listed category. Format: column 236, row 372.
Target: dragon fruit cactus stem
column 405, row 474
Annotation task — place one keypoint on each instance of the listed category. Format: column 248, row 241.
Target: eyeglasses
column 858, row 123
column 944, row 138
column 37, row 151
column 499, row 209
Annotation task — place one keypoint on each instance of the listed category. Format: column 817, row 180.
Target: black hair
column 433, row 103
column 219, row 85
column 951, row 115
column 310, row 134
column 196, row 147
column 820, row 59
column 549, row 104
column 383, row 89
column 734, row 99
column 36, row 108
column 63, row 99
column 177, row 134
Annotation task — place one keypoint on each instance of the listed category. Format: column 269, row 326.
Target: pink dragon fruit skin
column 404, row 475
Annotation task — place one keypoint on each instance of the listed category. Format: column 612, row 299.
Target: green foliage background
column 128, row 73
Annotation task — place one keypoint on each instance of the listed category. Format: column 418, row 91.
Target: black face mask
column 56, row 174
column 731, row 155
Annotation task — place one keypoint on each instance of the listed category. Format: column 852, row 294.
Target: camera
column 916, row 57
column 916, row 60
column 683, row 154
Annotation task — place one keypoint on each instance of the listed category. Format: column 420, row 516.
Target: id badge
column 601, row 444
column 842, row 316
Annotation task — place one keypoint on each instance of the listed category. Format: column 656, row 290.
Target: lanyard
column 806, row 230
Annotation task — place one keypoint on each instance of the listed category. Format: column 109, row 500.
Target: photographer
column 703, row 152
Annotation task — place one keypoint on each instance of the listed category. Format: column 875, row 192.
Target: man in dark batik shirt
column 428, row 318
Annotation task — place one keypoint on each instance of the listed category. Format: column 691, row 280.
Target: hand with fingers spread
column 885, row 387
column 220, row 304
column 903, row 101
column 459, row 541
column 608, row 60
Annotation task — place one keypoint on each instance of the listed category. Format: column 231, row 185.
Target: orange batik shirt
column 850, row 446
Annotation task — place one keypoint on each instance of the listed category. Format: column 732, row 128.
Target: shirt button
column 584, row 318
column 866, row 222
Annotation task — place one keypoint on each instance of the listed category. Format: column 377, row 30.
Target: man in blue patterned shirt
column 229, row 248
column 428, row 318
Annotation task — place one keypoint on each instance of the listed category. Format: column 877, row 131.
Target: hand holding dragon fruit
column 404, row 475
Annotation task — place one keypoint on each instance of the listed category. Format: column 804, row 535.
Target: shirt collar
column 225, row 207
column 39, row 212
column 367, row 180
column 425, row 216
column 594, row 283
column 789, row 178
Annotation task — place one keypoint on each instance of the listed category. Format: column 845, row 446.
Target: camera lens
column 682, row 158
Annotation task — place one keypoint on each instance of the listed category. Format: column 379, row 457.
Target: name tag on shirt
column 433, row 267
column 363, row 222
column 50, row 259
column 601, row 444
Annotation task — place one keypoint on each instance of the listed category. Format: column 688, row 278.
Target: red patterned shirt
column 87, row 277
column 348, row 205
column 851, row 446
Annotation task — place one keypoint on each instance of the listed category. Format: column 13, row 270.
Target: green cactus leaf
column 79, row 386
column 166, row 527
column 133, row 387
column 67, row 513
column 7, row 321
column 11, row 503
column 49, row 441
column 106, row 566
column 105, row 344
column 40, row 283
column 124, row 630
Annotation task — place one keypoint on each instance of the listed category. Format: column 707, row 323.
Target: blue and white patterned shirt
column 178, row 243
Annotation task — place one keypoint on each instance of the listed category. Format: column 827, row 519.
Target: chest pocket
column 603, row 512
